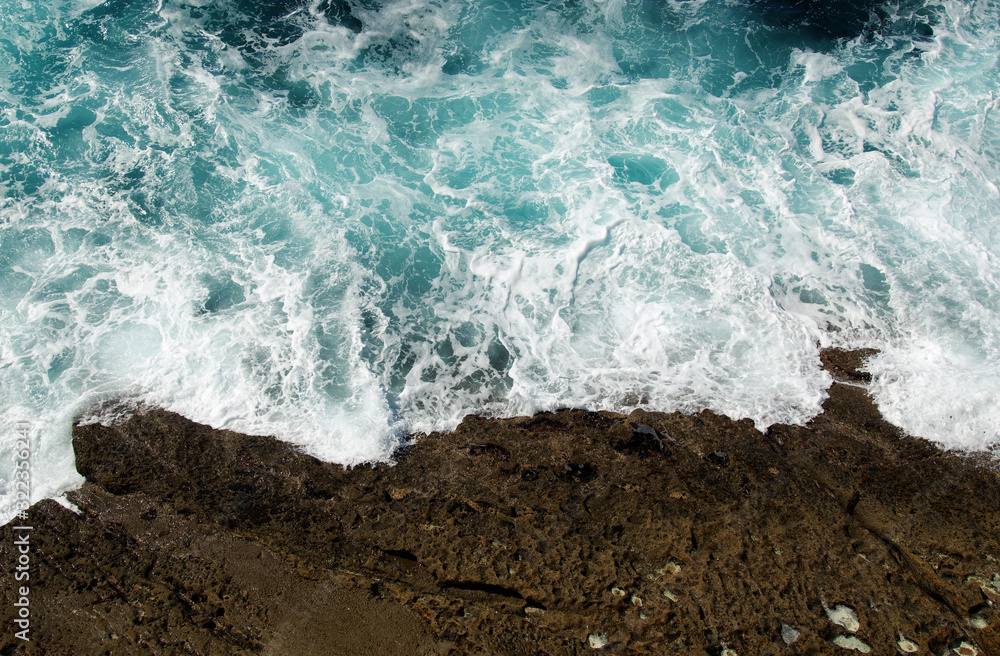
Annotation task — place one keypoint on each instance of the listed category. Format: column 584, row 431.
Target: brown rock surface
column 660, row 533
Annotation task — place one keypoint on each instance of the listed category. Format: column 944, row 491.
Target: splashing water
column 342, row 223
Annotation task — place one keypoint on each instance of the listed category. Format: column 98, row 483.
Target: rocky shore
column 562, row 533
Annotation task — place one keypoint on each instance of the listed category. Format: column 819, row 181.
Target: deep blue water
column 339, row 223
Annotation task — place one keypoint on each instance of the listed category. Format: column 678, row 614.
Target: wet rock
column 203, row 541
column 720, row 458
column 847, row 365
column 492, row 450
column 577, row 472
column 644, row 441
column 545, row 424
column 597, row 420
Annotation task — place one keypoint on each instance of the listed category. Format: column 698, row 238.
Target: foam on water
column 338, row 225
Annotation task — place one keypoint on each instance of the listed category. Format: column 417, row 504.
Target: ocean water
column 341, row 223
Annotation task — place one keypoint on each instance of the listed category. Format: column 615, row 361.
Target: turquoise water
column 339, row 224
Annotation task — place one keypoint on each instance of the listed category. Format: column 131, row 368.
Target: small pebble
column 964, row 649
column 907, row 646
column 844, row 616
column 669, row 568
column 618, row 592
column 789, row 634
column 851, row 642
column 597, row 640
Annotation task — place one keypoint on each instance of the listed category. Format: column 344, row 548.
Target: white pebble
column 789, row 634
column 851, row 642
column 597, row 640
column 965, row 649
column 844, row 616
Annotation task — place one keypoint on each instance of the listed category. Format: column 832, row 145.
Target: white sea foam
column 340, row 238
